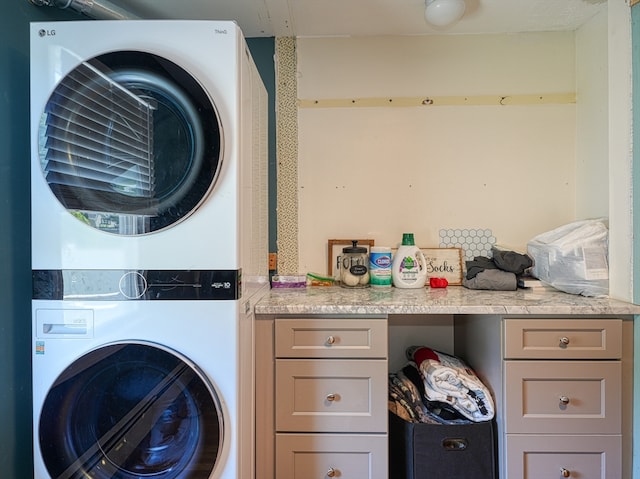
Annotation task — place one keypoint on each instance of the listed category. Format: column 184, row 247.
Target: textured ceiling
column 259, row 18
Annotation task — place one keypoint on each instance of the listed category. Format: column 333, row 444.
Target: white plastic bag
column 573, row 258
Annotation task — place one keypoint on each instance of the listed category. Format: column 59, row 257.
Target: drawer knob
column 334, row 473
column 564, row 341
column 332, row 397
column 565, row 472
column 564, row 400
column 331, row 340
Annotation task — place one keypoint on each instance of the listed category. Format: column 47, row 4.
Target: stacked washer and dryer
column 149, row 248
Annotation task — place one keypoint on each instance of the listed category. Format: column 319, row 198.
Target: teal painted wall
column 262, row 51
column 635, row 52
column 15, row 255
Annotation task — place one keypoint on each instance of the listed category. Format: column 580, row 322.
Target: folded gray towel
column 511, row 261
column 494, row 279
column 479, row 263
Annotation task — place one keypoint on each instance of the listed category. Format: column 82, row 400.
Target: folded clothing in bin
column 436, row 451
column 450, row 380
column 407, row 400
column 440, row 420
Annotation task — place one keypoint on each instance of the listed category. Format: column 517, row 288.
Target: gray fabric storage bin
column 437, row 451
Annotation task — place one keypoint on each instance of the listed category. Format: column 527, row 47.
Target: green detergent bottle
column 409, row 265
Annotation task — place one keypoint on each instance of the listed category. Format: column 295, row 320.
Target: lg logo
column 46, row 33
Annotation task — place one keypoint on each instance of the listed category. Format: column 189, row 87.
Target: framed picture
column 444, row 263
column 335, row 249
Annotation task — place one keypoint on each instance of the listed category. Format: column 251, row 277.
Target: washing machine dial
column 133, row 285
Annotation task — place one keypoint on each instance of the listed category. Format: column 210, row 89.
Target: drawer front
column 326, row 395
column 588, row 457
column 563, row 338
column 331, row 338
column 569, row 397
column 309, row 456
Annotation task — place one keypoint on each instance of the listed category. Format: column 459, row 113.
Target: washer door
column 130, row 143
column 128, row 411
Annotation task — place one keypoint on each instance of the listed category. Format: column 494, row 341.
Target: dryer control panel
column 145, row 285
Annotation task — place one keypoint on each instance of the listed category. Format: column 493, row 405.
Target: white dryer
column 149, row 247
column 140, row 389
column 148, row 147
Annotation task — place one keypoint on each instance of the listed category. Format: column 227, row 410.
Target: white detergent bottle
column 409, row 265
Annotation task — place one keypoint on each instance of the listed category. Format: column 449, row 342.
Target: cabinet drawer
column 588, row 457
column 326, row 395
column 310, row 456
column 563, row 338
column 331, row 338
column 568, row 397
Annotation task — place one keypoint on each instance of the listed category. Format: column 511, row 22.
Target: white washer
column 148, row 147
column 138, row 389
column 149, row 247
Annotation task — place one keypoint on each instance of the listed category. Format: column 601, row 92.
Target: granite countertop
column 450, row 300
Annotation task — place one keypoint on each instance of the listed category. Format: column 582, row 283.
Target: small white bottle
column 409, row 265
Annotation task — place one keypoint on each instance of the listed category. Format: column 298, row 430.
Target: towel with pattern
column 407, row 400
column 450, row 380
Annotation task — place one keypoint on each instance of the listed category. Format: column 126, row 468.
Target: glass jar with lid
column 354, row 266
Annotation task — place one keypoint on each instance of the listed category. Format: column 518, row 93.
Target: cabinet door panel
column 584, row 457
column 309, row 456
column 563, row 338
column 331, row 396
column 331, row 338
column 569, row 397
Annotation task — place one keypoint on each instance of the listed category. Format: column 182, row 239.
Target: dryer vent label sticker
column 39, row 347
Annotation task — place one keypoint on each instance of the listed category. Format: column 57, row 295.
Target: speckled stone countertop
column 450, row 300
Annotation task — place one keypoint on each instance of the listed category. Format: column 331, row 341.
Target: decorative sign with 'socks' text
column 444, row 263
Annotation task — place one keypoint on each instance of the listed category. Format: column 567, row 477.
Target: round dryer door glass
column 130, row 143
column 130, row 411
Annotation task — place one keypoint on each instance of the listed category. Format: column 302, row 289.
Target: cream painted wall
column 592, row 119
column 604, row 172
column 621, row 261
column 380, row 171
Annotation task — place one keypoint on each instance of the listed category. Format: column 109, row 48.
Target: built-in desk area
column 560, row 367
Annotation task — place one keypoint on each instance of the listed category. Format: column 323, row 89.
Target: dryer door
column 128, row 411
column 130, row 143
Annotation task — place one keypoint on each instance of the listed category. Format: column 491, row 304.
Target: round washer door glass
column 130, row 143
column 130, row 411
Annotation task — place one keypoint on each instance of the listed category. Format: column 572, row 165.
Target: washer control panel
column 146, row 285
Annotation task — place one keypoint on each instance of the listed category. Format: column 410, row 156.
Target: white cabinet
column 331, row 338
column 306, row 456
column 562, row 386
column 559, row 387
column 325, row 395
column 567, row 397
column 540, row 456
column 555, row 387
column 331, row 398
column 536, row 338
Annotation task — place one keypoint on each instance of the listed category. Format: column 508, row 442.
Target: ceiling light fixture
column 442, row 13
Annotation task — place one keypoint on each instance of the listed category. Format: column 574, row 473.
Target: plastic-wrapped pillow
column 573, row 258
